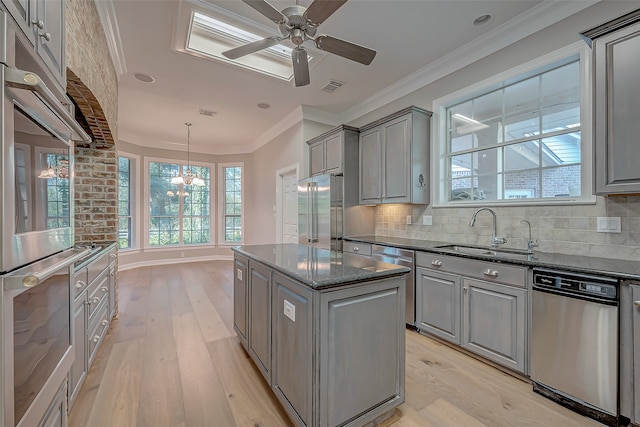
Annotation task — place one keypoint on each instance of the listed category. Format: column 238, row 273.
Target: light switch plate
column 427, row 220
column 608, row 224
column 290, row 310
column 409, row 220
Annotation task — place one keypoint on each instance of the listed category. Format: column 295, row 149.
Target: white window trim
column 221, row 204
column 438, row 146
column 134, row 190
column 147, row 195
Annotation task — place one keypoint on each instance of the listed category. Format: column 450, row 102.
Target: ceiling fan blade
column 267, row 10
column 345, row 49
column 320, row 10
column 300, row 66
column 252, row 47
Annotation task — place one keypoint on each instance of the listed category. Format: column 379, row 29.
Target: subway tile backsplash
column 567, row 229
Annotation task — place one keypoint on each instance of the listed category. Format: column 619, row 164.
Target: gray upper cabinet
column 329, row 152
column 42, row 23
column 394, row 158
column 616, row 103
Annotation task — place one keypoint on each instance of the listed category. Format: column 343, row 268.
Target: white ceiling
column 413, row 40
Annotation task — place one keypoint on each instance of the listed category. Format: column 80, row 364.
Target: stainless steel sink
column 486, row 251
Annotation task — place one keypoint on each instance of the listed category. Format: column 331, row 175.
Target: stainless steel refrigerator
column 328, row 210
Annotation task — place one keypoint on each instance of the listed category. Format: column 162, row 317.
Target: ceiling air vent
column 332, row 86
column 207, row 113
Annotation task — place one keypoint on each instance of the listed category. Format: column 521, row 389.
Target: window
column 124, row 202
column 57, row 194
column 178, row 214
column 231, row 198
column 520, row 141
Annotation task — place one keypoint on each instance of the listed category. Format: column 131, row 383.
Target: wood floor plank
column 204, row 398
column 248, row 395
column 120, row 386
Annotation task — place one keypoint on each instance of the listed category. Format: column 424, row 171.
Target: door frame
column 280, row 173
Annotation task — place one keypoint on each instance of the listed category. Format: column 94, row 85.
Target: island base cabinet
column 351, row 381
column 240, row 312
column 635, row 291
column 292, row 374
column 260, row 317
column 494, row 322
column 438, row 304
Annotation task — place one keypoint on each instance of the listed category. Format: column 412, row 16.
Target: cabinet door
column 370, row 166
column 617, row 109
column 292, row 373
column 493, row 322
column 396, row 140
column 316, row 158
column 50, row 39
column 112, row 291
column 260, row 317
column 23, row 11
column 438, row 304
column 240, row 312
column 635, row 290
column 333, row 154
column 79, row 368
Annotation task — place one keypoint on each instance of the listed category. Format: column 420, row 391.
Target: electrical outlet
column 409, row 220
column 290, row 310
column 239, row 274
column 608, row 224
column 427, row 220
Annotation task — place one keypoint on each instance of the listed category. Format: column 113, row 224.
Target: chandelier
column 60, row 170
column 189, row 178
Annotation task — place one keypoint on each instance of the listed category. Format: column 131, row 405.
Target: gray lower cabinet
column 240, row 302
column 616, row 103
column 56, row 415
column 480, row 306
column 635, row 291
column 494, row 322
column 259, row 333
column 292, row 375
column 438, row 304
column 79, row 368
column 394, row 158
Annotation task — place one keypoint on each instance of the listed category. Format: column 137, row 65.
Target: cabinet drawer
column 112, row 256
column 80, row 282
column 97, row 329
column 97, row 293
column 96, row 267
column 357, row 248
column 485, row 270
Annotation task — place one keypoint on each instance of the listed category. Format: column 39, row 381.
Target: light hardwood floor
column 171, row 358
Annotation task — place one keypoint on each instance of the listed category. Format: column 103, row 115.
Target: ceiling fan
column 299, row 24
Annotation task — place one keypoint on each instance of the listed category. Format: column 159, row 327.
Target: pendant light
column 189, row 178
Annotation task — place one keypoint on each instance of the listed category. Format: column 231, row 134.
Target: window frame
column 212, row 185
column 134, row 207
column 565, row 55
column 222, row 203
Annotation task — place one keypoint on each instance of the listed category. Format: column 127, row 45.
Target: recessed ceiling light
column 482, row 20
column 144, row 77
column 264, row 105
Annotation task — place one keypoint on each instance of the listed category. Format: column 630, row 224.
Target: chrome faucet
column 530, row 243
column 495, row 241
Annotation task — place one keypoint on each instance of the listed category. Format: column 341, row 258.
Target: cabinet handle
column 104, row 322
column 436, row 263
column 94, row 300
column 80, row 284
column 637, row 303
column 356, row 249
column 112, row 274
column 38, row 23
column 104, row 289
column 46, row 36
column 465, row 288
column 491, row 273
column 112, row 255
column 96, row 338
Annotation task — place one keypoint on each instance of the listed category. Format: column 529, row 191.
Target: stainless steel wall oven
column 36, row 239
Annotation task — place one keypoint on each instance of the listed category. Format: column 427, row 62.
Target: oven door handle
column 27, row 80
column 27, row 281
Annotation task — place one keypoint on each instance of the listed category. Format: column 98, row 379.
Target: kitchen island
column 325, row 329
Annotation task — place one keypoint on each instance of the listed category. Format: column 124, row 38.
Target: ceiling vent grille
column 332, row 86
column 207, row 113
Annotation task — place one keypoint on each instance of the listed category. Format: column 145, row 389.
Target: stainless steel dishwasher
column 574, row 342
column 404, row 258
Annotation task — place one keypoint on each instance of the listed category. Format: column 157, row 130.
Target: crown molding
column 284, row 124
column 107, row 16
column 527, row 23
column 321, row 116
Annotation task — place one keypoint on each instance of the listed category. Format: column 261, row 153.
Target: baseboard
column 150, row 263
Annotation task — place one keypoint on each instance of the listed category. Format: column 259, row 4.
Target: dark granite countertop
column 620, row 269
column 319, row 268
column 96, row 250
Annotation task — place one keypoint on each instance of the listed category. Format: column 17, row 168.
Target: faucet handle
column 498, row 241
column 532, row 244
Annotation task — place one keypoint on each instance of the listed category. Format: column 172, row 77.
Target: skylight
column 210, row 37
